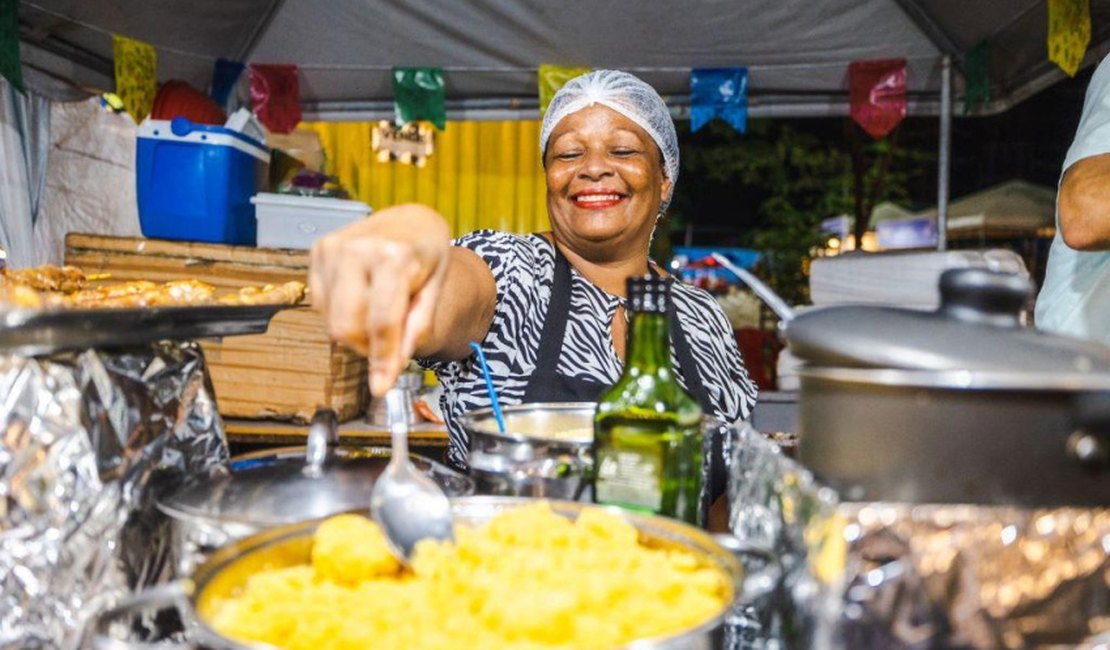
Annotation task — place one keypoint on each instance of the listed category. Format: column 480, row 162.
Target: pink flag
column 878, row 92
column 276, row 96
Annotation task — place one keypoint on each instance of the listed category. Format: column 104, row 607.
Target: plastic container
column 194, row 181
column 899, row 279
column 292, row 221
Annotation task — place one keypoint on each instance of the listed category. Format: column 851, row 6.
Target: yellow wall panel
column 482, row 174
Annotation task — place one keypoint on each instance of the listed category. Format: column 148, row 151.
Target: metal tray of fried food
column 33, row 332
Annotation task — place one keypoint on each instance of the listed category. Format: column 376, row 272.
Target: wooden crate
column 285, row 373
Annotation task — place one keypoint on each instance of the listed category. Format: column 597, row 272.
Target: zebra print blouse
column 523, row 269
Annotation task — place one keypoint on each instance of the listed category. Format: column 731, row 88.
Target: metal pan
column 37, row 332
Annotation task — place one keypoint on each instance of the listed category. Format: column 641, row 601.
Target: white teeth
column 590, row 198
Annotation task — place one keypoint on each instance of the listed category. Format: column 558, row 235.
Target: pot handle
column 983, row 297
column 1090, row 444
column 323, row 437
column 174, row 593
column 757, row 583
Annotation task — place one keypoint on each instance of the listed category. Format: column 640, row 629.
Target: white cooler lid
column 310, row 202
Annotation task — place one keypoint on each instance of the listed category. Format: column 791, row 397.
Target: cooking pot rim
column 234, row 551
column 169, row 505
column 470, row 422
column 994, row 380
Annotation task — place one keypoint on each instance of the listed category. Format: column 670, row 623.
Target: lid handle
column 983, row 297
column 323, row 437
column 1090, row 444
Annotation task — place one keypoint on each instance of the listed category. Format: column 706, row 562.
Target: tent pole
column 943, row 160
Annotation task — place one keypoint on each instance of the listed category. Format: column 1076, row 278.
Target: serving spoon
column 407, row 505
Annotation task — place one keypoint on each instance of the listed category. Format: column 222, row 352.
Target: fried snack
column 64, row 279
column 528, row 579
column 289, row 293
column 67, row 287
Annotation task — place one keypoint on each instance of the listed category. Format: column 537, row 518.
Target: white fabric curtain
column 24, row 146
column 90, row 182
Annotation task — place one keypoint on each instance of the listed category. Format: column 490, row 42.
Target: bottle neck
column 649, row 343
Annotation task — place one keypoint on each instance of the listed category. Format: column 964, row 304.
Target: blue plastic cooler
column 195, row 181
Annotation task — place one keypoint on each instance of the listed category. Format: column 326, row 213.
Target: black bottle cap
column 648, row 293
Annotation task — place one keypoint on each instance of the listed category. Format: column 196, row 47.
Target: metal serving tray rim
column 44, row 331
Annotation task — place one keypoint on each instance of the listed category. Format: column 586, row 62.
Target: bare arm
column 392, row 287
column 1084, row 204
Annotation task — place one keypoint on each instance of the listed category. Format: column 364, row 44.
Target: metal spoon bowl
column 407, row 505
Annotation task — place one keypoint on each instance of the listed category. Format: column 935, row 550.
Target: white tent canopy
column 797, row 51
column 1012, row 207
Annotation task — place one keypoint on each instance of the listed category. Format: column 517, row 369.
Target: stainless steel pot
column 962, row 405
column 528, row 460
column 227, row 570
column 282, row 486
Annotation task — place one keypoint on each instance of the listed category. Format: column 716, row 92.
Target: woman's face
column 605, row 183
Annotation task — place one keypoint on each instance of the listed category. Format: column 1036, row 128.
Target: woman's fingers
column 396, row 274
column 349, row 294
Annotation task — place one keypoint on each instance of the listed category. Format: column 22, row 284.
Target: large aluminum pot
column 230, row 567
column 283, row 486
column 961, row 405
column 544, row 452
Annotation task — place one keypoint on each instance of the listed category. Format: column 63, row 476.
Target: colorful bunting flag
column 276, row 95
column 552, row 78
column 1069, row 33
column 224, row 75
column 977, row 75
column 878, row 94
column 136, row 75
column 10, row 67
column 719, row 92
column 419, row 94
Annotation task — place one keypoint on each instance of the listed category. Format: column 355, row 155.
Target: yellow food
column 529, row 579
column 68, row 287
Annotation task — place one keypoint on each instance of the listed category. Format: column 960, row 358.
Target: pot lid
column 295, row 484
column 977, row 328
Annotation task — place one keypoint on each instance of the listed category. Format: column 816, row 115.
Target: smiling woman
column 548, row 309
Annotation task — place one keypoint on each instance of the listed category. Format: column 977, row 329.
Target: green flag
column 418, row 94
column 977, row 75
column 10, row 68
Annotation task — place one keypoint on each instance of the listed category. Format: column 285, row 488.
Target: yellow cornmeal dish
column 529, row 579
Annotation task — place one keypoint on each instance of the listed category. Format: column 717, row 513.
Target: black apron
column 547, row 385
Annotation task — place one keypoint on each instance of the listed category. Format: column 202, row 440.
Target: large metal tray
column 37, row 332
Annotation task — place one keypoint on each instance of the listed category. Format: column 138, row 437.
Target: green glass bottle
column 647, row 431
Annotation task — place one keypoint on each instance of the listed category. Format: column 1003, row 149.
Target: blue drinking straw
column 494, row 400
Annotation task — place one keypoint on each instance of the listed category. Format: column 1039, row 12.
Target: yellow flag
column 552, row 78
column 1069, row 33
column 136, row 77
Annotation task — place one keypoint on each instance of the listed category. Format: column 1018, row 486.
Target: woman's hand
column 377, row 284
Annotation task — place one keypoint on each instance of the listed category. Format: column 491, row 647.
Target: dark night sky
column 1026, row 142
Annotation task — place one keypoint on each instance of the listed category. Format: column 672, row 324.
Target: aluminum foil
column 902, row 576
column 87, row 442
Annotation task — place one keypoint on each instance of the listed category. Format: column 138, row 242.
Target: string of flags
column 877, row 89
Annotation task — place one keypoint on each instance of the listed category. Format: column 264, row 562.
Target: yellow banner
column 136, row 75
column 1069, row 33
column 552, row 78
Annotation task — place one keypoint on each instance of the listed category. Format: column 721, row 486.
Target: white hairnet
column 625, row 94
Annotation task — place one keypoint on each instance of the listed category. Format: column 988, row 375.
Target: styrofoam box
column 901, row 279
column 292, row 221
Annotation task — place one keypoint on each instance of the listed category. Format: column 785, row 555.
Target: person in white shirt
column 1075, row 299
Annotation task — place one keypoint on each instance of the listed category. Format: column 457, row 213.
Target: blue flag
column 719, row 92
column 224, row 75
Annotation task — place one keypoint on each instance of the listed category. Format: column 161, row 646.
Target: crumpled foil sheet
column 87, row 441
column 903, row 576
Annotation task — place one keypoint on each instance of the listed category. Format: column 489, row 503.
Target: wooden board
column 357, row 432
column 283, row 374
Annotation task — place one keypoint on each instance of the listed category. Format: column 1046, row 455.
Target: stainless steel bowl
column 530, row 459
column 229, row 568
